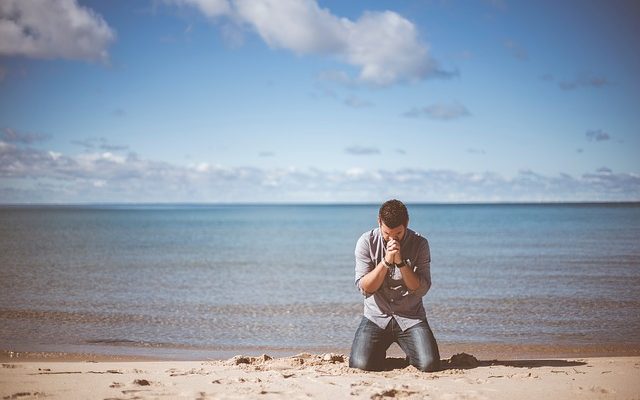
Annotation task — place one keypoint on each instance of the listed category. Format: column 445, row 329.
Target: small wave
column 128, row 342
column 111, row 341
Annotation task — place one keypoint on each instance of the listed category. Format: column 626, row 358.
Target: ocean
column 189, row 281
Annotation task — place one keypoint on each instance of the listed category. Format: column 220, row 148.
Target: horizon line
column 338, row 203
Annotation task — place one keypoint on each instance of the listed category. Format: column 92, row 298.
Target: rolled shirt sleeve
column 422, row 267
column 364, row 263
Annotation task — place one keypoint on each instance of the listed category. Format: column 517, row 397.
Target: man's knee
column 427, row 364
column 361, row 363
column 364, row 363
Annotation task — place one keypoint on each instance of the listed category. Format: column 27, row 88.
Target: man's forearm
column 372, row 281
column 410, row 278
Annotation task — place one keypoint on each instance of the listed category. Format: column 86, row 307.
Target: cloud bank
column 384, row 47
column 53, row 29
column 30, row 175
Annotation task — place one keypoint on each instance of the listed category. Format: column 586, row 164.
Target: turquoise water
column 203, row 278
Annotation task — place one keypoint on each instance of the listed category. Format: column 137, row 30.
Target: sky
column 310, row 101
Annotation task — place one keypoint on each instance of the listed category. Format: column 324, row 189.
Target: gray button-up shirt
column 393, row 299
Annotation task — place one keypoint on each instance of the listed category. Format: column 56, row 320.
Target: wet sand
column 488, row 351
column 321, row 376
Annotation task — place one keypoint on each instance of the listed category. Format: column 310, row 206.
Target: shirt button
column 392, row 300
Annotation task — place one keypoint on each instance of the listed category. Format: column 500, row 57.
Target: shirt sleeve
column 422, row 267
column 364, row 263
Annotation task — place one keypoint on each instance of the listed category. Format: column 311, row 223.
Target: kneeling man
column 393, row 274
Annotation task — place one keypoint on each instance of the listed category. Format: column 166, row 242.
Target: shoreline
column 322, row 376
column 483, row 351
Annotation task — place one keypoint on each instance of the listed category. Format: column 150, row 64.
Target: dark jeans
column 369, row 349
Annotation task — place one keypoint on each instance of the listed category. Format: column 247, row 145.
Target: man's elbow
column 364, row 289
column 423, row 288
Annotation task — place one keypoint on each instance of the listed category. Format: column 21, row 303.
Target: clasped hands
column 393, row 255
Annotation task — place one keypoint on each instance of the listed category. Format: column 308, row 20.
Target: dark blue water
column 225, row 277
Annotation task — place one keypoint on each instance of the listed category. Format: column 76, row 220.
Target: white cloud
column 297, row 25
column 54, row 155
column 387, row 48
column 384, row 46
column 31, row 175
column 115, row 158
column 53, row 29
column 355, row 172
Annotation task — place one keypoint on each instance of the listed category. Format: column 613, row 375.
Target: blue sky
column 318, row 101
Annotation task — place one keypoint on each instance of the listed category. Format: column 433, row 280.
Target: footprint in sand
column 467, row 394
column 601, row 390
column 395, row 393
column 24, row 394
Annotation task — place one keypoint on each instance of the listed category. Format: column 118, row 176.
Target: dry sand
column 321, row 377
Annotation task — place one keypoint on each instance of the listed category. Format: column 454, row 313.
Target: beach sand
column 320, row 376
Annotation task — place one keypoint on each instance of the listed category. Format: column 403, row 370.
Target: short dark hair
column 393, row 213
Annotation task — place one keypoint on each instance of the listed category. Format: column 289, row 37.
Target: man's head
column 393, row 219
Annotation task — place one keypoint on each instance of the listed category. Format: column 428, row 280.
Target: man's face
column 396, row 233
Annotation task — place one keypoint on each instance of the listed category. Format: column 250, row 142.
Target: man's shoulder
column 368, row 236
column 416, row 237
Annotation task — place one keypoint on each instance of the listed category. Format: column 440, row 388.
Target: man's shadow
column 467, row 361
